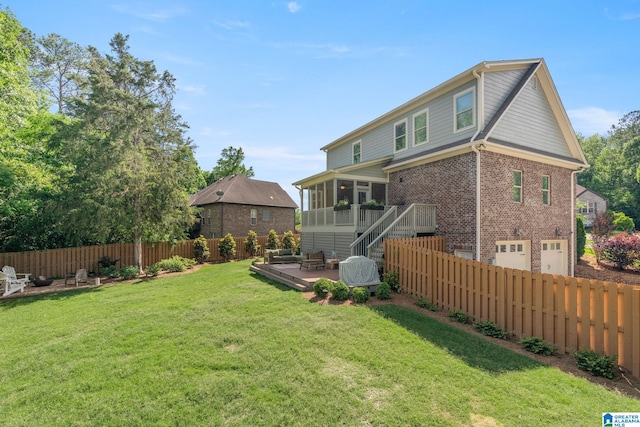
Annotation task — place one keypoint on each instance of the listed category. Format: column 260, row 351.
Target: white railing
column 359, row 246
column 356, row 216
column 418, row 218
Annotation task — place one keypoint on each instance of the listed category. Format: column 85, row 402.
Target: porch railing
column 361, row 217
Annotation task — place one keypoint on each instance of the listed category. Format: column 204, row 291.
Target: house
column 487, row 159
column 589, row 204
column 237, row 204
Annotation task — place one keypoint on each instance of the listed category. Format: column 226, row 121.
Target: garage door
column 553, row 257
column 514, row 254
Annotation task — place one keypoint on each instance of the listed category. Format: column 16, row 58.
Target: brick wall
column 236, row 219
column 500, row 215
column 450, row 184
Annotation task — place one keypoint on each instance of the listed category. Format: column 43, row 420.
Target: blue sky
column 283, row 78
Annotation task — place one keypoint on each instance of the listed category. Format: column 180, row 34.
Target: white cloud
column 592, row 120
column 158, row 15
column 196, row 90
column 210, row 132
column 293, row 6
column 233, row 25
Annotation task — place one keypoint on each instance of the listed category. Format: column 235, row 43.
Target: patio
column 293, row 276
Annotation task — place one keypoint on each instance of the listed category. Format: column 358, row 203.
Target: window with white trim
column 356, row 148
column 517, row 186
column 400, row 135
column 546, row 190
column 421, row 127
column 590, row 207
column 464, row 110
column 254, row 217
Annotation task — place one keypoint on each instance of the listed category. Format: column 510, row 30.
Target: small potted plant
column 342, row 205
column 372, row 205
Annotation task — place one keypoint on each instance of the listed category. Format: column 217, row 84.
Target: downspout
column 474, row 148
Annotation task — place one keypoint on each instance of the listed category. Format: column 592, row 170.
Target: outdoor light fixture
column 342, row 186
column 517, row 231
column 558, row 232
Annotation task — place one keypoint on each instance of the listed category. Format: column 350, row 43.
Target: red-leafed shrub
column 622, row 249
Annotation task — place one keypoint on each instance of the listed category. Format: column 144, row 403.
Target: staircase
column 417, row 218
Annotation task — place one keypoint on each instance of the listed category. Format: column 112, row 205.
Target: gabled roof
column 580, row 190
column 239, row 189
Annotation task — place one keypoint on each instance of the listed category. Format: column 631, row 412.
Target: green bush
column 129, row 272
column 273, row 242
column 152, row 270
column 251, row 243
column 490, row 329
column 458, row 316
column 622, row 222
column 383, row 291
column 536, row 345
column 322, row 287
column 581, row 236
column 110, row 271
column 289, row 241
column 361, row 295
column 227, row 247
column 174, row 264
column 425, row 303
column 201, row 249
column 596, row 365
column 339, row 291
column 391, row 277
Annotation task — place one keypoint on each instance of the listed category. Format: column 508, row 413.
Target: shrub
column 621, row 222
column 340, row 291
column 201, row 249
column 391, row 277
column 289, row 241
column 321, row 287
column 129, row 272
column 581, row 236
column 458, row 316
column 174, row 264
column 602, row 225
column 251, row 243
column 536, row 345
column 622, row 249
column 273, row 242
column 490, row 329
column 596, row 365
column 425, row 303
column 152, row 270
column 227, row 247
column 383, row 291
column 110, row 271
column 361, row 295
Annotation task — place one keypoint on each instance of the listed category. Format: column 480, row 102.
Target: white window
column 464, row 110
column 266, row 215
column 546, row 190
column 590, row 207
column 400, row 135
column 421, row 127
column 254, row 217
column 356, row 152
column 517, row 186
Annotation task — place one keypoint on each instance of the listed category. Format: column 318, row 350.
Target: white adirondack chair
column 81, row 276
column 11, row 282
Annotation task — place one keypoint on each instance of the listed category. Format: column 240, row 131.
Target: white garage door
column 514, row 254
column 553, row 257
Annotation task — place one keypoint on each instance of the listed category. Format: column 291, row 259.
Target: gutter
column 476, row 149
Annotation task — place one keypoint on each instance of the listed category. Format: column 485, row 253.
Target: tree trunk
column 137, row 252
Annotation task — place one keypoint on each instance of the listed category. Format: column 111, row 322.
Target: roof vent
column 219, row 193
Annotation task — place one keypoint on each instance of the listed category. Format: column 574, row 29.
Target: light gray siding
column 373, row 171
column 530, row 122
column 497, row 86
column 379, row 142
column 327, row 242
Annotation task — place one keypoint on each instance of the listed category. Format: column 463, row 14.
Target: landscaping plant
column 251, row 243
column 490, row 329
column 458, row 316
column 339, row 291
column 536, row 345
column 596, row 365
column 201, row 249
column 425, row 303
column 289, row 241
column 391, row 277
column 129, row 272
column 227, row 247
column 620, row 249
column 273, row 242
column 322, row 287
column 361, row 295
column 581, row 236
column 383, row 291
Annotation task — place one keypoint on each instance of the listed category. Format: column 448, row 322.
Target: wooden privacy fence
column 60, row 262
column 569, row 312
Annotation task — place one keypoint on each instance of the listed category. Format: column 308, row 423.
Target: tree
column 59, row 65
column 229, row 163
column 581, row 236
column 273, row 241
column 130, row 154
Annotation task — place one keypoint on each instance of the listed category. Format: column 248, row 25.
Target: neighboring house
column 487, row 159
column 590, row 203
column 237, row 204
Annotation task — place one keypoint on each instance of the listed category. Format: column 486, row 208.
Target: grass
column 224, row 347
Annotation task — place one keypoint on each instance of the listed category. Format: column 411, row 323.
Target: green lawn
column 224, row 347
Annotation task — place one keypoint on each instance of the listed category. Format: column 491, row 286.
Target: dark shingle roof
column 239, row 189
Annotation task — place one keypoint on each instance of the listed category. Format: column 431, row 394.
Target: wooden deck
column 293, row 276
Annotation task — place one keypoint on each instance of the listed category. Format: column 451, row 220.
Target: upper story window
column 356, row 152
column 421, row 127
column 254, row 217
column 464, row 110
column 400, row 135
column 590, row 207
column 517, row 186
column 266, row 215
column 546, row 191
